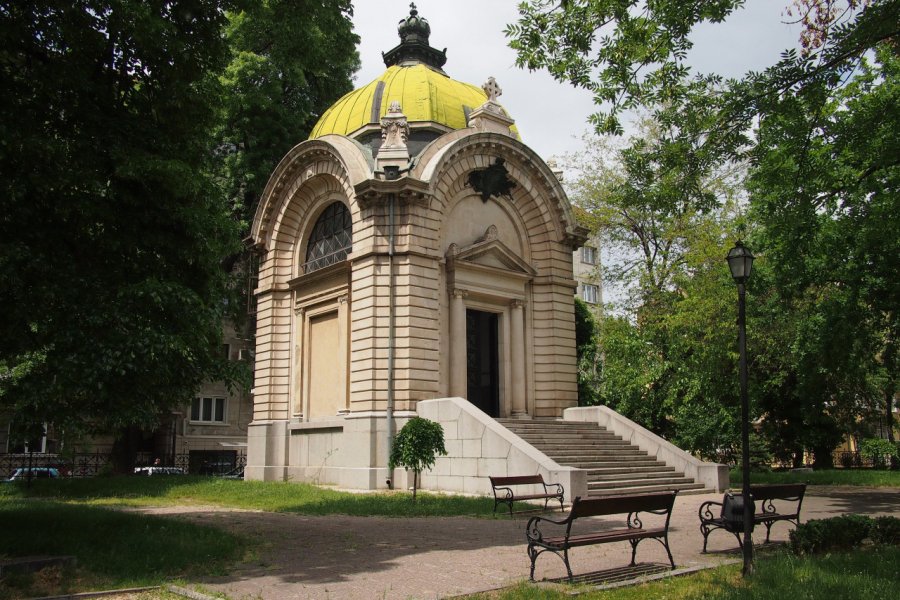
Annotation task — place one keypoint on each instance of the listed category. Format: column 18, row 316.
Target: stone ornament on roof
column 490, row 116
column 394, row 127
column 492, row 89
column 414, row 32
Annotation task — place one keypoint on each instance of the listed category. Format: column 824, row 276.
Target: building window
column 226, row 351
column 590, row 293
column 589, row 255
column 331, row 238
column 208, row 410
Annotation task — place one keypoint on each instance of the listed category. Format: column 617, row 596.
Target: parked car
column 158, row 471
column 21, row 473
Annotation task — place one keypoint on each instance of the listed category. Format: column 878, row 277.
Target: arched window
column 331, row 238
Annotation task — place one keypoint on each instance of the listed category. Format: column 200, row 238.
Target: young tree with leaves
column 416, row 447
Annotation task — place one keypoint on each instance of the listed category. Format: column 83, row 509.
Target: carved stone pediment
column 488, row 251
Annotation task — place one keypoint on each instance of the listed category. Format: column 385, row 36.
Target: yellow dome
column 424, row 95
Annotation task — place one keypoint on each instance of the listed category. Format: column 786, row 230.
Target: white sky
column 552, row 116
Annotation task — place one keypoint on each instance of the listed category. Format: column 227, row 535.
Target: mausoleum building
column 415, row 258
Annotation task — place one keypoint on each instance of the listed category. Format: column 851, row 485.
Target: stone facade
column 450, row 276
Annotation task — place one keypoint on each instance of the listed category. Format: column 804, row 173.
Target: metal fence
column 92, row 464
column 854, row 460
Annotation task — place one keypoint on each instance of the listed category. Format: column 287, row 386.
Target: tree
column 416, row 446
column 663, row 354
column 111, row 229
column 823, row 183
column 826, row 189
column 290, row 60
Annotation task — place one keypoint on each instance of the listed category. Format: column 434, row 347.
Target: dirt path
column 341, row 557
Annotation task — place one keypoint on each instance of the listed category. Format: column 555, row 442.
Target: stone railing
column 479, row 447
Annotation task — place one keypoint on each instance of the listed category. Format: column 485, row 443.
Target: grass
column 858, row 575
column 113, row 549
column 255, row 495
column 841, row 477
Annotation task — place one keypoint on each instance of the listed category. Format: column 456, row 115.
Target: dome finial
column 414, row 32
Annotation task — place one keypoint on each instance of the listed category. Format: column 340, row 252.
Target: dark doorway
column 482, row 365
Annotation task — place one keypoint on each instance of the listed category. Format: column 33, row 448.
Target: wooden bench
column 503, row 490
column 659, row 503
column 789, row 497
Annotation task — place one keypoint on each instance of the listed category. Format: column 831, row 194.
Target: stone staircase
column 613, row 465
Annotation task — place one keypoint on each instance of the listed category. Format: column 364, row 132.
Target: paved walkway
column 340, row 557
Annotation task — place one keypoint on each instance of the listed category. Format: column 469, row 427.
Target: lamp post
column 740, row 261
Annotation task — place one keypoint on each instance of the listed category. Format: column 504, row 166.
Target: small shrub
column 886, row 530
column 880, row 450
column 416, row 447
column 837, row 533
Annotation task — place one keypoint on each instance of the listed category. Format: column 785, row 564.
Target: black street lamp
column 740, row 261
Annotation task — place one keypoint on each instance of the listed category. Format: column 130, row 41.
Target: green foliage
column 823, row 535
column 416, row 447
column 111, row 230
column 641, row 59
column 588, row 355
column 830, row 477
column 821, row 216
column 879, row 450
column 665, row 352
column 290, row 60
column 886, row 530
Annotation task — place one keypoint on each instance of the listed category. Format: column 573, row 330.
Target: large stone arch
column 522, row 244
column 311, row 176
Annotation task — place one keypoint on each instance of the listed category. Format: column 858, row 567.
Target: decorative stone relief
column 490, row 234
column 393, row 156
column 394, row 128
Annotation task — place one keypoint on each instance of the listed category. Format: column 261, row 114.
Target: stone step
column 683, row 490
column 597, row 452
column 575, row 443
column 561, row 437
column 613, row 465
column 630, row 470
column 624, row 483
column 637, row 462
column 517, row 425
column 633, row 476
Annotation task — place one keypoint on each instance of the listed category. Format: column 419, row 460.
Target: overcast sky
column 552, row 116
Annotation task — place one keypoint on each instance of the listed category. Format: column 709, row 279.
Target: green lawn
column 860, row 575
column 256, row 495
column 842, row 477
column 114, row 549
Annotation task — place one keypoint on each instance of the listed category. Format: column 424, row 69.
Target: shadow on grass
column 115, row 547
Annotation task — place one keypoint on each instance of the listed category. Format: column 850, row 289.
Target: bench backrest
column 778, row 491
column 517, row 480
column 615, row 505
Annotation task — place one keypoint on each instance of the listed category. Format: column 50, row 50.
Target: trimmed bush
column 837, row 533
column 886, row 531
